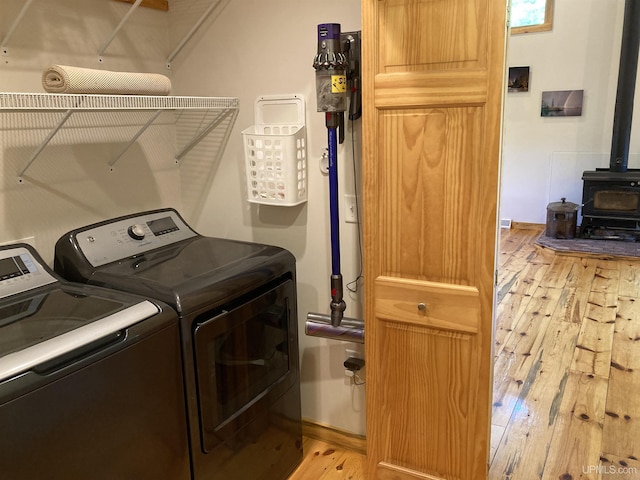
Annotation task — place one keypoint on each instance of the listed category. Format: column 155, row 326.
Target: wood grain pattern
column 436, row 89
column 524, row 448
column 622, row 420
column 432, row 34
column 575, row 295
column 515, row 291
column 388, row 471
column 584, row 423
column 578, row 440
column 629, row 280
column 593, row 352
column 334, row 436
column 156, row 4
column 519, row 363
column 428, row 396
column 449, row 307
column 327, row 461
column 424, row 194
column 432, row 72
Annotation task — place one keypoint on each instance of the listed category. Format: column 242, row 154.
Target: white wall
column 262, row 48
column 543, row 158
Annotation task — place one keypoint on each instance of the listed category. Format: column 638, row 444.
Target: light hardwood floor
column 567, row 365
column 326, row 461
column 566, row 373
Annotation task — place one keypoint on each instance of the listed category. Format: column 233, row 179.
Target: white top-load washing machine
column 90, row 380
column 236, row 303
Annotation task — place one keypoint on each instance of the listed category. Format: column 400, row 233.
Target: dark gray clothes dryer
column 236, row 303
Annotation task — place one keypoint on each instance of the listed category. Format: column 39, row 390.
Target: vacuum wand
column 337, row 305
column 331, row 89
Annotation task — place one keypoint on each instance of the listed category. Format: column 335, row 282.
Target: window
column 531, row 16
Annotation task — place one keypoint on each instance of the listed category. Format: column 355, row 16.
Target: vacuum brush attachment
column 349, row 330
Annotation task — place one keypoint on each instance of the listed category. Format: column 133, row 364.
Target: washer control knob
column 136, row 232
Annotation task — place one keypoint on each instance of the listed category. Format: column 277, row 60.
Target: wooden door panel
column 428, row 304
column 428, row 378
column 436, row 89
column 432, row 91
column 429, row 182
column 431, row 34
column 388, row 471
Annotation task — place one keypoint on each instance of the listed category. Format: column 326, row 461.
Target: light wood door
column 433, row 86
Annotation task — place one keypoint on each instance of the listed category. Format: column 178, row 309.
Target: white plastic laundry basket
column 275, row 152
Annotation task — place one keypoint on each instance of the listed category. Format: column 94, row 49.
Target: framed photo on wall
column 518, row 79
column 562, row 103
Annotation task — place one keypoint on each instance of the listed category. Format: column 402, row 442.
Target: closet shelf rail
column 225, row 110
column 55, row 101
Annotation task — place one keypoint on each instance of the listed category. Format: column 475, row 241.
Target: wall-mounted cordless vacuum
column 335, row 80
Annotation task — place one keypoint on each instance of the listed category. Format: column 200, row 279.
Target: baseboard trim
column 335, row 436
column 527, row 226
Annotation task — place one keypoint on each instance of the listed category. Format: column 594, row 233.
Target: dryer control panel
column 127, row 237
column 21, row 271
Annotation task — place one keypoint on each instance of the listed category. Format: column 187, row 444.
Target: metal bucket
column 562, row 219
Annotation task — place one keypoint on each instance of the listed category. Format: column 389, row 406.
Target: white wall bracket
column 106, row 44
column 12, row 28
column 195, row 140
column 45, row 142
column 133, row 139
column 215, row 4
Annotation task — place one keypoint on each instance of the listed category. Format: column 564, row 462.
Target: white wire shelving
column 219, row 112
column 224, row 109
column 55, row 101
column 213, row 10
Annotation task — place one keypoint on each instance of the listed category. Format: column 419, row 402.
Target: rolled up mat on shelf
column 349, row 330
column 67, row 79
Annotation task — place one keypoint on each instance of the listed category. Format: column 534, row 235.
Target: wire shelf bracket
column 215, row 4
column 107, row 42
column 7, row 38
column 198, row 138
column 45, row 142
column 226, row 108
column 113, row 162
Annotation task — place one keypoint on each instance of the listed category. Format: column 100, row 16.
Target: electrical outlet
column 350, row 209
column 353, row 377
column 349, row 352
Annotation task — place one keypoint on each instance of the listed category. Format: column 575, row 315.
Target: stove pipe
column 626, row 87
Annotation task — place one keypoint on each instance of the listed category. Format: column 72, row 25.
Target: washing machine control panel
column 20, row 271
column 129, row 237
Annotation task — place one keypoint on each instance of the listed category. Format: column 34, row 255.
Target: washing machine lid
column 42, row 318
column 53, row 321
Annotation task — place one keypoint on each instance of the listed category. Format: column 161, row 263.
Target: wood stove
column 611, row 197
column 611, row 204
